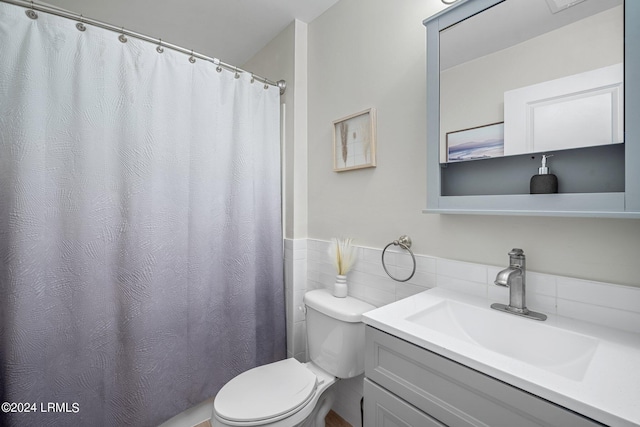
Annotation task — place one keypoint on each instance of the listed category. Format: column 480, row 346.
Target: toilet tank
column 335, row 332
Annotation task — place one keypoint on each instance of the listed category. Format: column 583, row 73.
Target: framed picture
column 354, row 141
column 481, row 142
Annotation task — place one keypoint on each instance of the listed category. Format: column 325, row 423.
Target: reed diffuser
column 343, row 256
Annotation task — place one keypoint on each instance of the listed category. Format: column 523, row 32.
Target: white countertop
column 609, row 391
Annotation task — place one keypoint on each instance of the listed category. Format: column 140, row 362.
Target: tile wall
column 295, row 279
column 307, row 267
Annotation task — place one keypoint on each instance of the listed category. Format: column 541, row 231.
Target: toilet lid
column 266, row 393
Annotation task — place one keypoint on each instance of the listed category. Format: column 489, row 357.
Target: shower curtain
column 140, row 226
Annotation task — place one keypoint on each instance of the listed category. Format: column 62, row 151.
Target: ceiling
column 230, row 30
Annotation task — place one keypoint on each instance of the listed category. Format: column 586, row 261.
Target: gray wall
column 371, row 53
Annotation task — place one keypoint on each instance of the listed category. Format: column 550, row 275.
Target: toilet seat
column 266, row 394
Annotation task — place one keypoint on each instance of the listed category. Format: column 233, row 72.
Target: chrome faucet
column 514, row 277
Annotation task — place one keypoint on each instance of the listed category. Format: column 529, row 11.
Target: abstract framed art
column 354, row 141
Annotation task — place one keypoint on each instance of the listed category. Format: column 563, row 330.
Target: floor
column 332, row 420
column 335, row 420
column 200, row 416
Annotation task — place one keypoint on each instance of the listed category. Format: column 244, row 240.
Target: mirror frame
column 614, row 205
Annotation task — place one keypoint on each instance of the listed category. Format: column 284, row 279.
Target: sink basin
column 556, row 350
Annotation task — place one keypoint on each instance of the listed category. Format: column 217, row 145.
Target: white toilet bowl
column 302, row 393
column 288, row 393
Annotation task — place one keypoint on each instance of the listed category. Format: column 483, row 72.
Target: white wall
column 371, row 53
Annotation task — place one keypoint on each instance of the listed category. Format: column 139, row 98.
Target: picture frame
column 354, row 141
column 480, row 142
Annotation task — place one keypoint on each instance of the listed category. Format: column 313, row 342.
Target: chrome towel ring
column 404, row 242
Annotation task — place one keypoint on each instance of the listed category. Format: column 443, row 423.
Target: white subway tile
column 312, row 285
column 404, row 260
column 289, row 310
column 299, row 337
column 313, row 256
column 400, row 273
column 320, row 267
column 370, row 280
column 543, row 284
column 300, row 274
column 404, row 290
column 606, row 316
column 318, row 245
column 542, row 303
column 462, row 270
column 497, row 293
column 377, row 297
column 327, row 279
column 300, row 254
column 425, row 264
column 313, row 276
column 603, row 294
column 299, row 245
column 473, row 288
column 288, row 253
column 288, row 274
column 372, row 255
column 290, row 335
column 371, row 268
column 426, row 280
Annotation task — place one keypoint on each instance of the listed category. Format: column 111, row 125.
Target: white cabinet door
column 383, row 409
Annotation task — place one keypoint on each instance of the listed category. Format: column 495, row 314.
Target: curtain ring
column 122, row 37
column 219, row 69
column 236, row 75
column 160, row 49
column 80, row 25
column 191, row 58
column 31, row 13
column 266, row 86
column 253, row 79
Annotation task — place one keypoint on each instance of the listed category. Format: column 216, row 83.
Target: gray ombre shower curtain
column 140, row 226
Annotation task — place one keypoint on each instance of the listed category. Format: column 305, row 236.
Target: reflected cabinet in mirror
column 509, row 81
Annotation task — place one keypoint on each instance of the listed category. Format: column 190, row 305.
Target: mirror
column 532, row 76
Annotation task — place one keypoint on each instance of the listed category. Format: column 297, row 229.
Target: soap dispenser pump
column 544, row 182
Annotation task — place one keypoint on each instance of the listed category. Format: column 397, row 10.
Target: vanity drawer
column 383, row 409
column 453, row 393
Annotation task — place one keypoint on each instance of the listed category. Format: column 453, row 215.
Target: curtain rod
column 33, row 6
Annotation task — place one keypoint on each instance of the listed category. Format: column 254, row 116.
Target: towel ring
column 404, row 242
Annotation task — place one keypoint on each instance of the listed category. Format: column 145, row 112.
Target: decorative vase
column 340, row 287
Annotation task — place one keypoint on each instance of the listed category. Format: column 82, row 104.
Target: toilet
column 289, row 393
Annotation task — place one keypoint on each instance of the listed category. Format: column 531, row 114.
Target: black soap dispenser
column 544, row 182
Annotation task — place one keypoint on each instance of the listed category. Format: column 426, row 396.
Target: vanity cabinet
column 406, row 385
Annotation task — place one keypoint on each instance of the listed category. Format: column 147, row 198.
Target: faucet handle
column 516, row 252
